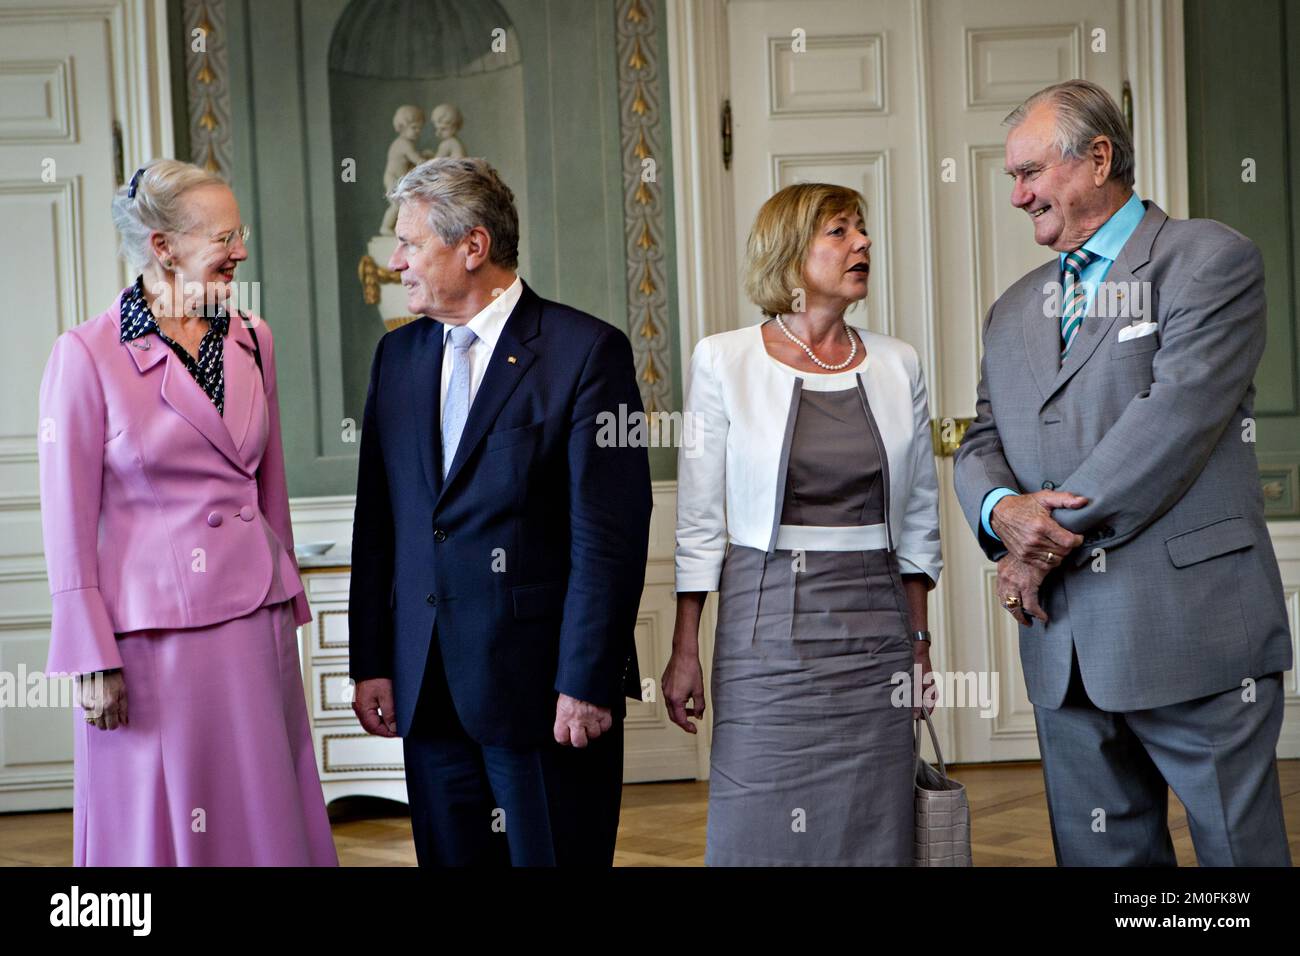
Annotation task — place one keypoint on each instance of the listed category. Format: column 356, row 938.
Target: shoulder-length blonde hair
column 779, row 241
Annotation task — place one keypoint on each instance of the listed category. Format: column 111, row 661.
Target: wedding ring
column 91, row 720
column 1050, row 557
column 1011, row 603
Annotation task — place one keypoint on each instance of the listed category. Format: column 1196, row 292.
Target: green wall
column 1243, row 102
column 561, row 153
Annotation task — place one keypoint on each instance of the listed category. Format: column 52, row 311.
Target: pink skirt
column 215, row 766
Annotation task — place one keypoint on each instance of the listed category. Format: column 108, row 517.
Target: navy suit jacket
column 527, row 563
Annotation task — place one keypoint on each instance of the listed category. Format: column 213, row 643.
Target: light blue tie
column 1075, row 298
column 456, row 407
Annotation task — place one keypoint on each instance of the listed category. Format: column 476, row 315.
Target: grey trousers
column 1108, row 776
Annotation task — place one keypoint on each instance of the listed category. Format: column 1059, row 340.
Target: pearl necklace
column 853, row 350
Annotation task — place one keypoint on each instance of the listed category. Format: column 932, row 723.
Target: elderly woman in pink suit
column 175, row 591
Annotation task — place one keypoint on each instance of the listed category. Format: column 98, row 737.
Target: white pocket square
column 1136, row 331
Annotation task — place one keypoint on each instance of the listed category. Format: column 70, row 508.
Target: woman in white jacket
column 808, row 499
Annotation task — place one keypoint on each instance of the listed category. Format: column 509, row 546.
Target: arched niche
column 413, row 56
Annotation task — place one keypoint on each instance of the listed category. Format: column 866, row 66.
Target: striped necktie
column 1075, row 298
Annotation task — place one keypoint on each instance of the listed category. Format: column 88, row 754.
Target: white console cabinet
column 351, row 762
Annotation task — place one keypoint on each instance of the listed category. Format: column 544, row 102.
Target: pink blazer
column 156, row 511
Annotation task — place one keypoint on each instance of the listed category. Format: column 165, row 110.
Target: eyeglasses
column 226, row 238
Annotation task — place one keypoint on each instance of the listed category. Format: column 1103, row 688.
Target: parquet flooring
column 663, row 824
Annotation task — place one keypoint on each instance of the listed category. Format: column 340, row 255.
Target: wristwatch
column 921, row 637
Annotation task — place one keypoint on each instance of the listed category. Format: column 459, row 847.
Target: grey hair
column 462, row 194
column 157, row 206
column 1084, row 111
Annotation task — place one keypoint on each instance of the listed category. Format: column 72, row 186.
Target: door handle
column 946, row 434
column 119, row 154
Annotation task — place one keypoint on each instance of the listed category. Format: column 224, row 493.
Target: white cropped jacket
column 731, row 469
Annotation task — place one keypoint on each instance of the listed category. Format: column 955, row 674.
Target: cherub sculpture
column 408, row 122
column 447, row 121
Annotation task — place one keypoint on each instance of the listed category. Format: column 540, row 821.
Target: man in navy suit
column 498, row 549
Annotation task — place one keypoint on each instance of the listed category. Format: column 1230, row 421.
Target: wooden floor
column 663, row 824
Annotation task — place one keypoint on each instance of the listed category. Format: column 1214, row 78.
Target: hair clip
column 135, row 183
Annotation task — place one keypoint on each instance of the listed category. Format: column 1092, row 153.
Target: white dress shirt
column 487, row 325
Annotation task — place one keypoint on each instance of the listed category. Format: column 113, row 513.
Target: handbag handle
column 934, row 739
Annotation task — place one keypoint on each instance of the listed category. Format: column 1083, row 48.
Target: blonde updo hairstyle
column 779, row 241
column 158, row 206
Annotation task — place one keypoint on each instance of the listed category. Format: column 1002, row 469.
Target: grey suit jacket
column 1151, row 431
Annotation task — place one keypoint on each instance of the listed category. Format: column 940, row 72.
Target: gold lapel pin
column 512, row 360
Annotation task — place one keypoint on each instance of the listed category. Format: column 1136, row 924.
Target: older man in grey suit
column 1110, row 473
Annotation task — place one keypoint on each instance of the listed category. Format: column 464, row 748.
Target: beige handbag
column 942, row 811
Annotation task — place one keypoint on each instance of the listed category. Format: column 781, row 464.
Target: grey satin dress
column 811, row 762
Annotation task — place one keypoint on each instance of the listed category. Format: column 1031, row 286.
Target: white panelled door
column 904, row 100
column 67, row 72
column 825, row 91
column 986, row 58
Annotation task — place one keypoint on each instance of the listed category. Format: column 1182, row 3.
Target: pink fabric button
column 214, row 519
column 248, row 512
